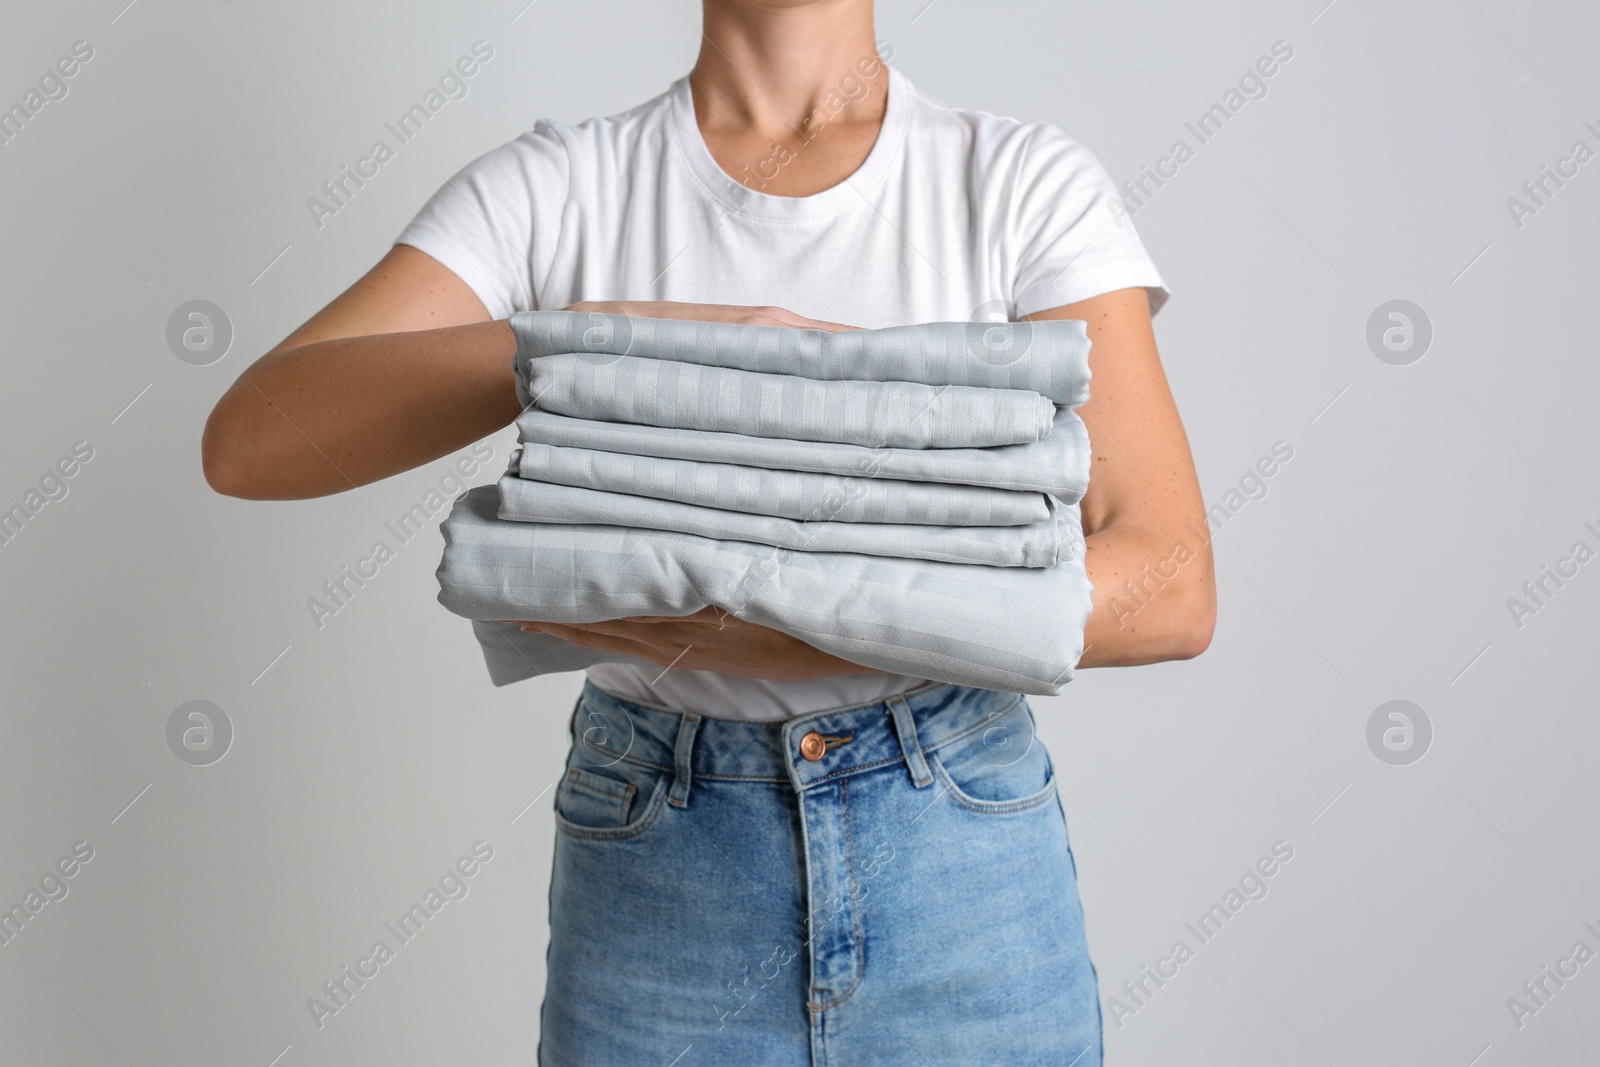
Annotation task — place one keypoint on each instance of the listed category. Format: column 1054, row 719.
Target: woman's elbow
column 1199, row 621
column 219, row 454
column 221, row 474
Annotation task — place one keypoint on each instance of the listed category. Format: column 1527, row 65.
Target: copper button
column 812, row 746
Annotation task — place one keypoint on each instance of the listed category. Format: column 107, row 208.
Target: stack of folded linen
column 904, row 498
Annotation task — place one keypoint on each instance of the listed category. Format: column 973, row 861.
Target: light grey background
column 371, row 753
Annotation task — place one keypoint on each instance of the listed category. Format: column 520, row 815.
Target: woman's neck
column 767, row 67
column 792, row 75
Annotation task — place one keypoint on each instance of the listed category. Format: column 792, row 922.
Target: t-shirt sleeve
column 1072, row 236
column 495, row 223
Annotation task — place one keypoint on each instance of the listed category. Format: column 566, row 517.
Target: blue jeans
column 882, row 884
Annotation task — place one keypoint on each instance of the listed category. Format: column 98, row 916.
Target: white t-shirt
column 955, row 215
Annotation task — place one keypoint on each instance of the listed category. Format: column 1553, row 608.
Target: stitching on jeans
column 975, row 727
column 658, row 802
column 903, row 720
column 855, row 912
column 855, row 897
column 845, row 772
column 995, row 807
column 926, row 749
column 774, row 723
column 637, row 762
column 623, row 756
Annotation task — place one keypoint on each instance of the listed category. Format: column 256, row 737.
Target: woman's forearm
column 350, row 398
column 331, row 415
column 1154, row 595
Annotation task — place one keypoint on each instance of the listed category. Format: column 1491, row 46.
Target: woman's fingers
column 586, row 637
column 800, row 322
column 711, row 614
column 743, row 314
column 624, row 628
column 613, row 637
column 607, row 626
column 655, row 637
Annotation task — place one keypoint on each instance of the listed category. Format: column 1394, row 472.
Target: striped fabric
column 664, row 392
column 1016, row 629
column 1050, row 357
column 570, row 537
column 1058, row 464
column 1035, row 545
column 787, row 494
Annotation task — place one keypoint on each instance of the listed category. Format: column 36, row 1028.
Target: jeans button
column 812, row 746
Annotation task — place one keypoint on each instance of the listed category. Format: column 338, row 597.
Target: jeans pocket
column 612, row 801
column 999, row 767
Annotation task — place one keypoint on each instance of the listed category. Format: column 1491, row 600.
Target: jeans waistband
column 808, row 749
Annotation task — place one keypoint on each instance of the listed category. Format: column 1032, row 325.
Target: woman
column 767, row 854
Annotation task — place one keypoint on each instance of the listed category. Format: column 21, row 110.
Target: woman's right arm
column 402, row 368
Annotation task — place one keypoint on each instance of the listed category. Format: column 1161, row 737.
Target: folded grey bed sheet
column 1038, row 544
column 1057, row 464
column 800, row 495
column 670, row 393
column 1016, row 629
column 1050, row 358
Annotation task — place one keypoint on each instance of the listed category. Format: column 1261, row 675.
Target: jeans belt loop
column 682, row 758
column 910, row 746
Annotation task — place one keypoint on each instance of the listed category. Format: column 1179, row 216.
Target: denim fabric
column 670, row 393
column 1038, row 544
column 910, row 897
column 787, row 494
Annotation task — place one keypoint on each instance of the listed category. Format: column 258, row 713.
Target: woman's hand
column 708, row 640
column 744, row 315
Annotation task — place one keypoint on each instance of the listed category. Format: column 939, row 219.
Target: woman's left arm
column 1144, row 521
